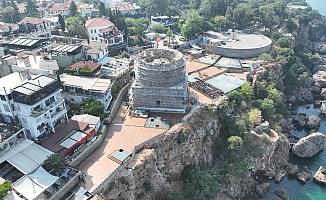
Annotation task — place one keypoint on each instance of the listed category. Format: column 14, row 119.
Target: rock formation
column 320, row 175
column 320, row 79
column 303, row 176
column 280, row 175
column 312, row 122
column 160, row 163
column 323, row 108
column 262, row 189
column 299, row 121
column 292, row 169
column 309, row 145
column 282, row 194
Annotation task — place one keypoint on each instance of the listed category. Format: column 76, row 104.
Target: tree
column 102, row 9
column 283, row 42
column 96, row 108
column 173, row 195
column 255, row 116
column 30, row 8
column 246, row 91
column 5, row 187
column 235, row 143
column 55, row 161
column 169, row 33
column 265, row 57
column 219, row 21
column 44, row 3
column 76, row 26
column 73, row 9
column 194, row 24
column 62, row 23
column 10, row 12
column 157, row 28
column 267, row 108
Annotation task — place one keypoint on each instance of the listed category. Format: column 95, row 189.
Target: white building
column 86, row 10
column 77, row 89
column 34, row 101
column 62, row 9
column 95, row 51
column 108, row 3
column 92, row 121
column 115, row 68
column 126, row 8
column 103, row 30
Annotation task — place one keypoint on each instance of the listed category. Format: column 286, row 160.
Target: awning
column 32, row 185
column 23, row 163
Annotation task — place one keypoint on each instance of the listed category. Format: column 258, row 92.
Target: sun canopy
column 32, row 185
column 12, row 196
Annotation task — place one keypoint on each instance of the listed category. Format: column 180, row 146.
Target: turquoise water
column 295, row 189
column 319, row 5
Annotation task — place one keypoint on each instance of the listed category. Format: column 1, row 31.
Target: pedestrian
column 84, row 175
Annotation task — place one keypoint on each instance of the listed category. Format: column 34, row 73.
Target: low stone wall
column 67, row 187
column 90, row 149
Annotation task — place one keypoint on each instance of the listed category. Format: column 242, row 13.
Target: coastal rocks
column 299, row 121
column 317, row 103
column 286, row 125
column 292, row 169
column 303, row 176
column 262, row 189
column 320, row 175
column 313, row 122
column 280, row 175
column 309, row 145
column 282, row 194
column 323, row 93
column 320, row 79
column 317, row 68
column 315, row 90
column 301, row 96
column 323, row 108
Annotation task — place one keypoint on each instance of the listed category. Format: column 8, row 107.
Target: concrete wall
column 241, row 53
column 91, row 148
column 67, row 187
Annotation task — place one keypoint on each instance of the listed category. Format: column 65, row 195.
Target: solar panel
column 32, row 42
column 14, row 41
column 26, row 42
column 57, row 47
column 73, row 49
column 20, row 41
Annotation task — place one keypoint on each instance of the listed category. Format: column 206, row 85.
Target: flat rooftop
column 7, row 131
column 86, row 83
column 244, row 41
column 226, row 82
column 157, row 122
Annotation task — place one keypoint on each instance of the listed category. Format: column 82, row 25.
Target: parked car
column 182, row 39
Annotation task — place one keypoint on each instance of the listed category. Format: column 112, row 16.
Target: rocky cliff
column 156, row 167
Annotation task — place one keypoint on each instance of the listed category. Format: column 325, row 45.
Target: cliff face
column 157, row 167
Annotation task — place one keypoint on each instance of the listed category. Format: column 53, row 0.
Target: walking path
column 122, row 134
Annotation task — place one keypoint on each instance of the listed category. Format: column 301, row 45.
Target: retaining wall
column 90, row 149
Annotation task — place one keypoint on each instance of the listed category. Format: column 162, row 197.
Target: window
column 94, row 30
column 52, row 100
column 6, row 108
column 47, row 102
column 95, row 38
column 2, row 97
column 91, row 31
column 24, row 120
column 92, row 38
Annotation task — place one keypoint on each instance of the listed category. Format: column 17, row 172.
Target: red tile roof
column 34, row 20
column 81, row 64
column 95, row 22
column 59, row 7
column 122, row 6
column 51, row 143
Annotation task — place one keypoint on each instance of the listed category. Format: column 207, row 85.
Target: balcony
column 42, row 111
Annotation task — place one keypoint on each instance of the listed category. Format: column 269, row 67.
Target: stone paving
column 124, row 133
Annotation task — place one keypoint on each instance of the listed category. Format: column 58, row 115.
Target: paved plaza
column 122, row 134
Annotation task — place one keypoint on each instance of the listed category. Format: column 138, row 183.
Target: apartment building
column 35, row 102
column 78, row 88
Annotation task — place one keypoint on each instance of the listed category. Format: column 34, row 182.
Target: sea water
column 310, row 190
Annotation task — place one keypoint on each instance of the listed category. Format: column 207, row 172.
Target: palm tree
column 76, row 27
column 169, row 34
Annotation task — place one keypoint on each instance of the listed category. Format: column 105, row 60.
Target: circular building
column 160, row 81
column 241, row 45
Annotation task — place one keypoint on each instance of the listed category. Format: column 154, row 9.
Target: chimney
column 26, row 60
